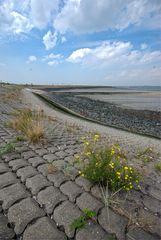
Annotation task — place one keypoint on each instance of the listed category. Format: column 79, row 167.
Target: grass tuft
column 30, row 123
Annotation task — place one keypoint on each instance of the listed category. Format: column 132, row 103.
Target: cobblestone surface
column 40, row 204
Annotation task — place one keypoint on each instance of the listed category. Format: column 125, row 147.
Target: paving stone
column 86, row 200
column 48, row 231
column 139, row 234
column 53, row 149
column 71, row 189
column 92, row 231
column 61, row 154
column 44, row 169
column 22, row 213
column 4, row 168
column 18, row 163
column 27, row 155
column 22, row 149
column 65, row 214
column 57, row 178
column 50, row 197
column 36, row 161
column 60, row 164
column 41, row 152
column 6, row 233
column 11, row 194
column 95, row 190
column 83, row 182
column 7, row 179
column 50, row 157
column 151, row 221
column 152, row 204
column 36, row 183
column 113, row 223
column 71, row 172
column 26, row 172
column 10, row 156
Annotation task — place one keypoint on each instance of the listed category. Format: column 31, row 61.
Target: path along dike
column 38, row 205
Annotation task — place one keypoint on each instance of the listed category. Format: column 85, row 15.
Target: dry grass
column 30, row 123
column 10, row 93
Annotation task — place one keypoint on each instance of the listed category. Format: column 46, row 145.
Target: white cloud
column 12, row 21
column 113, row 54
column 63, row 39
column 52, row 56
column 32, row 59
column 83, row 16
column 53, row 63
column 143, row 46
column 50, row 40
column 43, row 11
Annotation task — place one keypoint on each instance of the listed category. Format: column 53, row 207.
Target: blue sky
column 99, row 42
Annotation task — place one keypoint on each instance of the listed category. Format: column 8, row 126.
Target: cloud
column 43, row 12
column 113, row 54
column 63, row 39
column 83, row 16
column 52, row 56
column 12, row 21
column 32, row 59
column 50, row 40
column 53, row 63
column 143, row 46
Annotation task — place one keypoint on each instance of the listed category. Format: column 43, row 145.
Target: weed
column 20, row 138
column 102, row 165
column 146, row 155
column 82, row 220
column 51, row 168
column 9, row 147
column 30, row 123
column 157, row 167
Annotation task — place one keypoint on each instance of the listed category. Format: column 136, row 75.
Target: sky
column 88, row 42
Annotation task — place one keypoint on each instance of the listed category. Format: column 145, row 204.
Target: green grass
column 82, row 220
column 157, row 167
column 9, row 147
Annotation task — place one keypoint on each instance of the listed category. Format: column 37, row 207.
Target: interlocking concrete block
column 26, row 172
column 50, row 197
column 11, row 194
column 28, row 154
column 22, row 213
column 92, row 231
column 36, row 161
column 57, row 178
column 83, row 182
column 71, row 189
column 65, row 214
column 6, row 233
column 18, row 163
column 4, row 168
column 139, row 234
column 86, row 200
column 7, row 179
column 41, row 151
column 113, row 222
column 43, row 229
column 36, row 183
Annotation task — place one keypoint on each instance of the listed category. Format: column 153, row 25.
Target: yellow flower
column 83, row 138
column 136, row 181
column 82, row 174
column 88, row 153
column 118, row 173
column 96, row 163
column 86, row 143
column 112, row 151
column 126, row 168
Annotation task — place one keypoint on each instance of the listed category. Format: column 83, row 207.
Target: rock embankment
column 138, row 121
